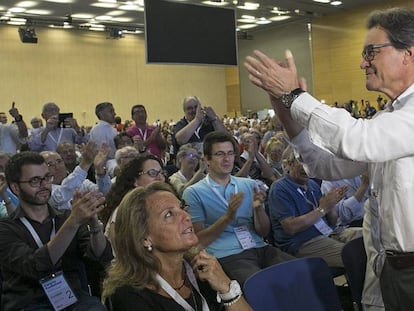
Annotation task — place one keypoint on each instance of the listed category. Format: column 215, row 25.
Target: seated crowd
column 158, row 216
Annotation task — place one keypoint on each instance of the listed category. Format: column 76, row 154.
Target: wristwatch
column 234, row 292
column 321, row 210
column 288, row 99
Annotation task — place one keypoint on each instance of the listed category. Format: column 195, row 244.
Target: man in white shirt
column 347, row 147
column 103, row 131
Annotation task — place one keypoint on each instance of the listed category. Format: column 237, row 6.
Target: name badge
column 323, row 227
column 58, row 291
column 245, row 238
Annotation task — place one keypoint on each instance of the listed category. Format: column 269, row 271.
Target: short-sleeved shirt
column 288, row 199
column 205, row 200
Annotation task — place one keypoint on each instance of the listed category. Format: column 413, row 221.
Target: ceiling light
column 38, row 12
column 61, row 1
column 247, row 26
column 82, row 16
column 121, row 19
column 115, row 13
column 277, row 10
column 322, row 1
column 216, row 3
column 17, row 10
column 248, row 17
column 246, row 20
column 26, row 4
column 103, row 18
column 249, row 6
column 279, row 18
column 263, row 21
column 336, row 3
column 105, row 5
column 129, row 7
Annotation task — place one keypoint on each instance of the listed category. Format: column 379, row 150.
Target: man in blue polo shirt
column 228, row 213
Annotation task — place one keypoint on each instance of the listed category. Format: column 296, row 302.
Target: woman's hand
column 207, row 268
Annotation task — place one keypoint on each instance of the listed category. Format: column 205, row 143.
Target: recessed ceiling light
column 336, row 3
column 17, row 10
column 279, row 18
column 129, row 7
column 277, row 10
column 103, row 18
column 121, row 19
column 39, row 12
column 248, row 26
column 115, row 13
column 26, row 4
column 246, row 20
column 249, row 6
column 322, row 1
column 107, row 5
column 61, row 1
column 82, row 15
column 221, row 3
column 263, row 21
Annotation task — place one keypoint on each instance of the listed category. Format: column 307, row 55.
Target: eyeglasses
column 368, row 53
column 36, row 181
column 54, row 163
column 222, row 154
column 153, row 173
column 192, row 156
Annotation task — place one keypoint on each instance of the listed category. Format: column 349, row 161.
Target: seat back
column 355, row 262
column 296, row 285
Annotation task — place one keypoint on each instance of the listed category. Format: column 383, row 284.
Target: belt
column 400, row 260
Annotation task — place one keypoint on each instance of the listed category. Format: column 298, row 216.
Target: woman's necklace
column 181, row 286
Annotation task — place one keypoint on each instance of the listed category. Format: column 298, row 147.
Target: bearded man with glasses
column 41, row 247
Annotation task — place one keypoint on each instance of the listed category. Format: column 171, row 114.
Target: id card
column 58, row 291
column 245, row 238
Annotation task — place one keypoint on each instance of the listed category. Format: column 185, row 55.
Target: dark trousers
column 397, row 287
column 240, row 266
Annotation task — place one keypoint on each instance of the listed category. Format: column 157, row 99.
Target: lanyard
column 34, row 234
column 221, row 198
column 59, row 137
column 313, row 204
column 176, row 296
column 143, row 135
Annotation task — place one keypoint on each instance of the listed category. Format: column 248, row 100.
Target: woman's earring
column 149, row 248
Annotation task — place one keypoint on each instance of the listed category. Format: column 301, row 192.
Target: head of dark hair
column 216, row 137
column 17, row 161
column 100, row 107
column 118, row 139
column 125, row 182
column 398, row 23
column 135, row 107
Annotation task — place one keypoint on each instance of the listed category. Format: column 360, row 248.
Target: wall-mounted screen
column 189, row 34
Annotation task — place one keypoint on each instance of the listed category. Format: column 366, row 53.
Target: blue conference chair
column 355, row 261
column 297, row 285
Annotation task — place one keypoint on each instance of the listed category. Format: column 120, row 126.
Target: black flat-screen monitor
column 189, row 33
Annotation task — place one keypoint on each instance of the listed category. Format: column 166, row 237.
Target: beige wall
column 337, row 45
column 78, row 69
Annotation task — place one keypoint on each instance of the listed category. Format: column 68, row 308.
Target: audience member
column 255, row 165
column 37, row 126
column 140, row 171
column 52, row 135
column 103, row 132
column 302, row 219
column 191, row 168
column 64, row 185
column 274, row 151
column 14, row 134
column 351, row 208
column 153, row 234
column 7, row 197
column 198, row 121
column 357, row 146
column 41, row 247
column 228, row 213
column 152, row 139
column 122, row 157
